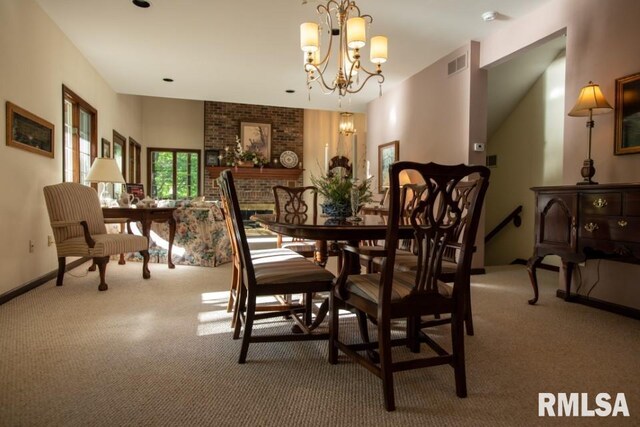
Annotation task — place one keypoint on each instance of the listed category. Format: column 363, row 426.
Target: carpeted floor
column 159, row 352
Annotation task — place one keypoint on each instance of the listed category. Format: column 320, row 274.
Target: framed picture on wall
column 211, row 158
column 29, row 132
column 387, row 154
column 627, row 115
column 106, row 148
column 256, row 137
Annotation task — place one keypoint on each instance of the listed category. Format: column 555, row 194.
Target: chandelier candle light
column 590, row 101
column 351, row 29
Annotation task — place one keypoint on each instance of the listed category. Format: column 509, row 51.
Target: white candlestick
column 326, row 158
column 354, row 165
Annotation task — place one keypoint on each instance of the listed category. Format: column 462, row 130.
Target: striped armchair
column 79, row 230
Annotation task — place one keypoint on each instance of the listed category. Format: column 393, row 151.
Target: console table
column 146, row 216
column 580, row 222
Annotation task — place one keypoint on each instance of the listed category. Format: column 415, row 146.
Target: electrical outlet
column 31, row 246
column 49, row 240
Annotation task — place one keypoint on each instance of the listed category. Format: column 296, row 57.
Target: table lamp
column 591, row 101
column 104, row 170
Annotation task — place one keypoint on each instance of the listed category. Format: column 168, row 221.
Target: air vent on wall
column 457, row 65
column 492, row 160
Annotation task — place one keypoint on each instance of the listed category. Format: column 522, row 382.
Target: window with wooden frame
column 120, row 152
column 79, row 135
column 173, row 173
column 120, row 155
column 134, row 161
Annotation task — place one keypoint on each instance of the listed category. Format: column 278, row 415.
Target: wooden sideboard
column 580, row 222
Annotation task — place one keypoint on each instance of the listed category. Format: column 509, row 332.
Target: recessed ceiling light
column 489, row 16
column 167, row 79
column 141, row 3
column 290, row 91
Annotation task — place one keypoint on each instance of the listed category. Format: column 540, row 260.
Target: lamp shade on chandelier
column 342, row 23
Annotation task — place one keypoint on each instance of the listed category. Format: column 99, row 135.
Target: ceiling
column 247, row 51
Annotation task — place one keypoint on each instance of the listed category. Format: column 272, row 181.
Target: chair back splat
column 441, row 216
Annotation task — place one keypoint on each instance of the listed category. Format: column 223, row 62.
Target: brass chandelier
column 351, row 29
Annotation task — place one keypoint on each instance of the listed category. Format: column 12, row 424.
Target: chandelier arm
column 319, row 78
column 380, row 81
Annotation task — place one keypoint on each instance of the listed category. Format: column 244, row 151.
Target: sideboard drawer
column 632, row 203
column 601, row 204
column 619, row 229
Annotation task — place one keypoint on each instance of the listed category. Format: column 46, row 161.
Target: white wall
column 37, row 60
column 529, row 148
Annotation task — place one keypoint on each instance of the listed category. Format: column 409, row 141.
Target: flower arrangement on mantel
column 243, row 158
column 336, row 191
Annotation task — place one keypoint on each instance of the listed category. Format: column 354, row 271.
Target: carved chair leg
column 93, row 265
column 102, row 268
column 61, row 268
column 145, row 264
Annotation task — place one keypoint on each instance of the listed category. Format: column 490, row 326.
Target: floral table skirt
column 201, row 238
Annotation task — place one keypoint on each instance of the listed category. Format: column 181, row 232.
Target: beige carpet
column 159, row 352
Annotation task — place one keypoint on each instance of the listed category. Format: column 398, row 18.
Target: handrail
column 513, row 216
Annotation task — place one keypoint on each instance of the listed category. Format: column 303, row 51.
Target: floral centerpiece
column 336, row 191
column 244, row 158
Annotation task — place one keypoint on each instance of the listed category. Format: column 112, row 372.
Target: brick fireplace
column 222, row 124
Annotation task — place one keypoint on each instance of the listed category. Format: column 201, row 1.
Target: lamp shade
column 378, row 53
column 356, row 32
column 309, row 40
column 346, row 124
column 591, row 100
column 105, row 170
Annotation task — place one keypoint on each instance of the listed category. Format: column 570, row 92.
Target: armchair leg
column 102, row 268
column 457, row 344
column 386, row 367
column 248, row 326
column 61, row 268
column 145, row 264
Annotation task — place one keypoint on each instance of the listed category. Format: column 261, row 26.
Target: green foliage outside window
column 184, row 184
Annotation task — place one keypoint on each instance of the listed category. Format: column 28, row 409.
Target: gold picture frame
column 387, row 154
column 29, row 132
column 627, row 115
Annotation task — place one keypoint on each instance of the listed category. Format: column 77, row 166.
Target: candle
column 354, row 165
column 368, row 169
column 326, row 158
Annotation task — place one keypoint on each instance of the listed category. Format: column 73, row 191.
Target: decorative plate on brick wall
column 289, row 159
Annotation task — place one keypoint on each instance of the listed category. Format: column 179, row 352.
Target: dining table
column 324, row 230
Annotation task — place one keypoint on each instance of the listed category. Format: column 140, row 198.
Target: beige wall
column 602, row 45
column 171, row 123
column 525, row 159
column 37, row 60
column 322, row 127
column 436, row 118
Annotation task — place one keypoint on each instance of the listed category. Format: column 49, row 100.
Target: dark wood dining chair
column 391, row 294
column 282, row 303
column 292, row 208
column 406, row 259
column 285, row 274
